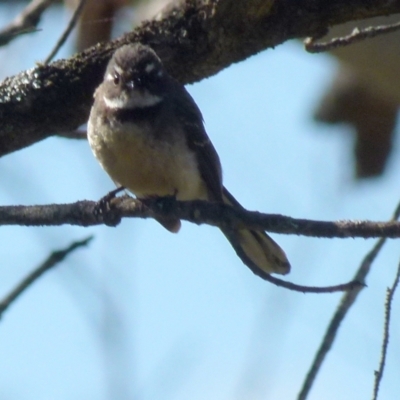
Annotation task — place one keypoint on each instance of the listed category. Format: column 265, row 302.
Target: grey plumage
column 148, row 134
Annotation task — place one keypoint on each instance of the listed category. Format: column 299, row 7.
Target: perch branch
column 82, row 213
column 86, row 213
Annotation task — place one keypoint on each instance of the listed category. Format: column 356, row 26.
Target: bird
column 148, row 134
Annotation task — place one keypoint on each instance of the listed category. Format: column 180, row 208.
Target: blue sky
column 146, row 314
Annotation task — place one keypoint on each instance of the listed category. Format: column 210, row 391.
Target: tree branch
column 67, row 31
column 355, row 36
column 85, row 213
column 55, row 258
column 195, row 39
column 25, row 22
column 341, row 312
column 110, row 212
column 385, row 342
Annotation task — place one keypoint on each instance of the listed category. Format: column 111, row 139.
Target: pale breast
column 145, row 165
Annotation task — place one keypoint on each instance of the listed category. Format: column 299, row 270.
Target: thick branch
column 85, row 213
column 195, row 39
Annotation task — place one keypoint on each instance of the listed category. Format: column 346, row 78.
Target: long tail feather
column 256, row 249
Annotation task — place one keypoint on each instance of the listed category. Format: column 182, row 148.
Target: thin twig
column 342, row 287
column 67, row 31
column 385, row 341
column 346, row 302
column 25, row 22
column 355, row 36
column 55, row 258
column 279, row 282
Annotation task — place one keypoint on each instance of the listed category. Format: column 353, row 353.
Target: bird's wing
column 198, row 141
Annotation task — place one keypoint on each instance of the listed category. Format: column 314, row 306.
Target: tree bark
column 194, row 38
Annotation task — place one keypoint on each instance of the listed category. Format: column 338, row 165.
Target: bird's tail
column 255, row 248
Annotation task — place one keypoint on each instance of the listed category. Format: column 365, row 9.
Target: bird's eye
column 116, row 78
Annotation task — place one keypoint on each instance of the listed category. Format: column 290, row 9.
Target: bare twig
column 355, row 36
column 281, row 283
column 55, row 258
column 25, row 22
column 67, row 31
column 342, row 287
column 346, row 302
column 385, row 342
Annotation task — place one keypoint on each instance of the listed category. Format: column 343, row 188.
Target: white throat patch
column 135, row 100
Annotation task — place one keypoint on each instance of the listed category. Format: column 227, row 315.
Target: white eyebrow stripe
column 118, row 69
column 110, row 75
